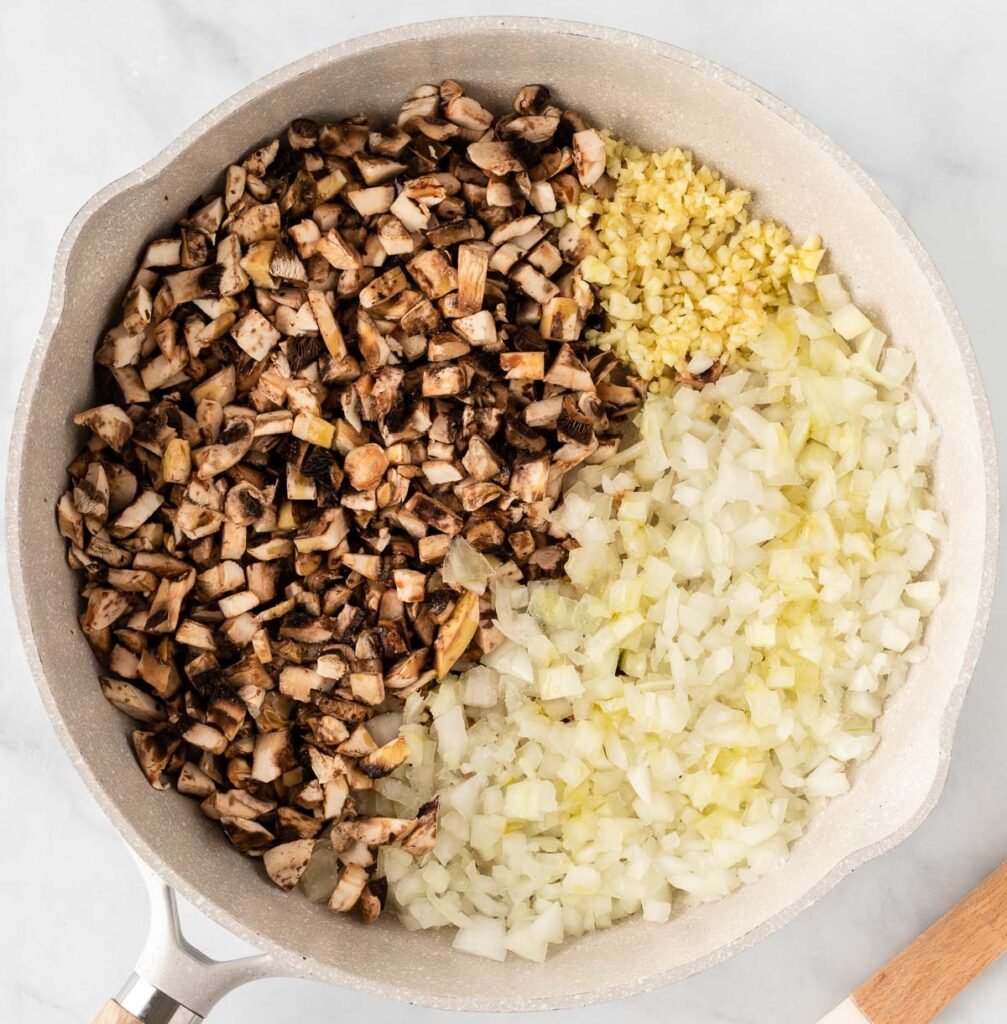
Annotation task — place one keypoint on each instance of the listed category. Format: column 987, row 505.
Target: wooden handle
column 113, row 1013
column 913, row 987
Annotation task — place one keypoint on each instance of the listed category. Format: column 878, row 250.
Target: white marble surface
column 914, row 89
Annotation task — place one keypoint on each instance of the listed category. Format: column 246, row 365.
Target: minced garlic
column 680, row 267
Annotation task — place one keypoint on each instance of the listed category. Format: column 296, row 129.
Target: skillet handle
column 914, row 986
column 113, row 1013
column 173, row 982
column 139, row 1002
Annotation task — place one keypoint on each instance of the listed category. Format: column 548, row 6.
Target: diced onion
column 658, row 728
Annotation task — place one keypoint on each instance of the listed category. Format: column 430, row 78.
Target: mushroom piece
column 478, row 328
column 232, row 445
column 385, row 759
column 162, row 252
column 255, row 335
column 467, row 113
column 375, row 831
column 193, row 781
column 494, row 157
column 104, row 607
column 370, row 904
column 561, row 319
column 153, row 752
column 589, row 156
column 347, row 891
column 369, row 202
column 530, row 478
column 515, row 229
column 176, row 462
column 433, row 273
column 523, row 365
column 131, row 700
column 248, row 836
column 136, row 514
column 287, row 862
column 410, row 585
column 367, row 687
column 383, row 288
column 365, row 466
column 235, row 803
column 422, row 837
column 441, row 379
column 567, row 371
column 71, row 521
column 257, row 223
column 456, row 633
column 295, row 825
column 91, row 494
column 199, row 734
column 109, row 423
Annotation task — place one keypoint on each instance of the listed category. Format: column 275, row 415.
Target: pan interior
column 656, row 97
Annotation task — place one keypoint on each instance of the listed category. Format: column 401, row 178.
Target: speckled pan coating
column 656, row 95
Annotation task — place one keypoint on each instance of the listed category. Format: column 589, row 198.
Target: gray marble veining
column 913, row 91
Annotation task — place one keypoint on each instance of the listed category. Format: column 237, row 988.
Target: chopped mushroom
column 327, row 372
column 351, row 884
column 421, row 838
column 589, row 156
column 286, row 863
column 108, row 422
column 132, row 700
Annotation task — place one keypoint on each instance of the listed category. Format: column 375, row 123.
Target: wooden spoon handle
column 914, row 986
column 113, row 1013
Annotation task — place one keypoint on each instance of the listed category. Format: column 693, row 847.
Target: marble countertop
column 913, row 89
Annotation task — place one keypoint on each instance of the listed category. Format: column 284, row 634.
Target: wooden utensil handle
column 913, row 987
column 113, row 1013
